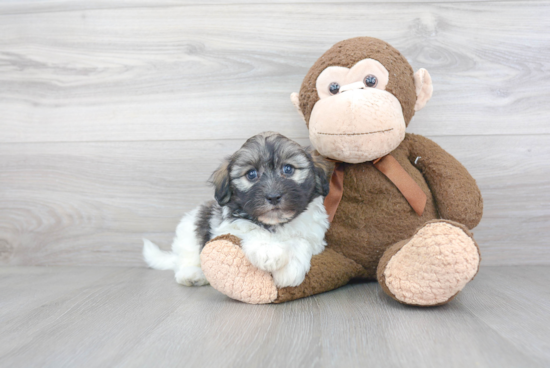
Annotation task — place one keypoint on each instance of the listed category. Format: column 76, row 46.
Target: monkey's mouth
column 378, row 131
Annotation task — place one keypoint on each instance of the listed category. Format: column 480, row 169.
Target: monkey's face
column 358, row 98
column 356, row 119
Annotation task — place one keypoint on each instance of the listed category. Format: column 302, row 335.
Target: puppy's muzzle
column 274, row 198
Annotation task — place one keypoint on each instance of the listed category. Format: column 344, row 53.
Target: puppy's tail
column 156, row 258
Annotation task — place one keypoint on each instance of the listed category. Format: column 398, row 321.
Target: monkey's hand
column 231, row 273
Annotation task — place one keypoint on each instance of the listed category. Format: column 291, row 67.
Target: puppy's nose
column 273, row 198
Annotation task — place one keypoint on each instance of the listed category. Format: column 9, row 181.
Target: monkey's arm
column 457, row 196
column 231, row 273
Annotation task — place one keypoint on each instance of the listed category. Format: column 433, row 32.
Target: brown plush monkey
column 401, row 205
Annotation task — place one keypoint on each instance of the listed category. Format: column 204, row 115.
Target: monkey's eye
column 370, row 81
column 288, row 170
column 252, row 174
column 333, row 88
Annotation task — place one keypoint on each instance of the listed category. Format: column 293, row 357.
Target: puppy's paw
column 191, row 276
column 268, row 257
column 293, row 274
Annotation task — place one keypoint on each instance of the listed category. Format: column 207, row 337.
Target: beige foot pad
column 229, row 272
column 433, row 266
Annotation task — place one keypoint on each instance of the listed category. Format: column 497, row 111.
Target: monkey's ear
column 323, row 171
column 220, row 180
column 424, row 88
column 295, row 98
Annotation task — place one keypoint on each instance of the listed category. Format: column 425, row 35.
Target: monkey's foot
column 431, row 267
column 228, row 271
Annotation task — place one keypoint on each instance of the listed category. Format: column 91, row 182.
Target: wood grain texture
column 507, row 295
column 41, row 6
column 91, row 203
column 97, row 317
column 114, row 114
column 226, row 71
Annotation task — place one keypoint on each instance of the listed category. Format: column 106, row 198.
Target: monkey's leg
column 229, row 272
column 431, row 267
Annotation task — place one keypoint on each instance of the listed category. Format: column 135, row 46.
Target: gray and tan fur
column 270, row 194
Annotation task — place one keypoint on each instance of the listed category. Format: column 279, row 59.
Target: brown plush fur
column 374, row 220
column 373, row 215
column 333, row 268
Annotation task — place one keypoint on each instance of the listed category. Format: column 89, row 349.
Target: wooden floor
column 135, row 317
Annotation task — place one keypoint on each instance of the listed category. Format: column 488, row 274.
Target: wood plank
column 139, row 317
column 34, row 5
column 226, row 71
column 102, row 196
column 94, row 323
column 31, row 297
column 91, row 203
column 42, row 6
column 249, row 335
column 47, row 284
column 381, row 330
column 503, row 298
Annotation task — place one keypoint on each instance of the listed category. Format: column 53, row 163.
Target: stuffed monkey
column 400, row 206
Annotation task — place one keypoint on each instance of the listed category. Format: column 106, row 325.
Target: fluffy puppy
column 269, row 194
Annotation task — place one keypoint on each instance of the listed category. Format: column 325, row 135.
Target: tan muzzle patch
column 358, row 125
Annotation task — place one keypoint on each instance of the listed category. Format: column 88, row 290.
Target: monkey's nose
column 348, row 87
column 273, row 198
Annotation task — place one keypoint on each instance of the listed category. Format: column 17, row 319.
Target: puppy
column 269, row 194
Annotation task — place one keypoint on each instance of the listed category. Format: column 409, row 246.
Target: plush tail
column 156, row 258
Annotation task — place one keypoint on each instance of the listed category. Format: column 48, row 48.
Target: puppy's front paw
column 268, row 257
column 293, row 274
column 191, row 276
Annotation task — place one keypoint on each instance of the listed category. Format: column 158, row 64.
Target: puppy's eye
column 370, row 81
column 333, row 88
column 288, row 170
column 252, row 174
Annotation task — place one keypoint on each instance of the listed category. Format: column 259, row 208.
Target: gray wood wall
column 113, row 114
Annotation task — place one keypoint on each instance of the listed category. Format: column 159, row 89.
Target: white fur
column 285, row 251
column 185, row 256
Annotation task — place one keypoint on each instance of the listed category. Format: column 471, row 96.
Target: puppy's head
column 271, row 179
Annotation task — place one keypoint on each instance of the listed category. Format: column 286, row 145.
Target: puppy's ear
column 220, row 180
column 323, row 171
